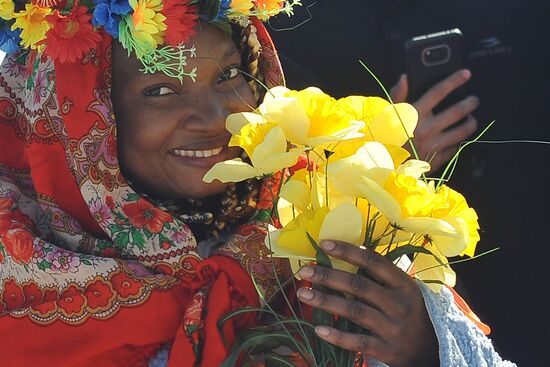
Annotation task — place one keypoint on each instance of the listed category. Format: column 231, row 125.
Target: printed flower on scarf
column 19, row 245
column 6, row 9
column 9, row 39
column 71, row 300
column 110, row 202
column 63, row 261
column 98, row 294
column 33, row 24
column 125, row 286
column 180, row 236
column 13, row 295
column 48, row 303
column 181, row 19
column 70, row 36
column 101, row 213
column 32, row 294
column 143, row 214
column 107, row 14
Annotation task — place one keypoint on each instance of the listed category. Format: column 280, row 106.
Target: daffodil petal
column 394, row 125
column 290, row 115
column 234, row 170
column 274, row 143
column 235, row 122
column 413, row 168
column 275, row 92
column 297, row 193
column 343, row 223
column 380, row 199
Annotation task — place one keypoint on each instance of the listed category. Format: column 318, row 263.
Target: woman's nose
column 206, row 112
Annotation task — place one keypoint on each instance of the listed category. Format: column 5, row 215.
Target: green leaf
column 122, row 239
column 133, row 197
column 86, row 262
column 321, row 257
column 137, row 238
column 407, row 250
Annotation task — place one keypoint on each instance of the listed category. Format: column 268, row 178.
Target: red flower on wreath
column 70, row 36
column 181, row 19
column 13, row 295
column 143, row 214
column 19, row 245
column 71, row 300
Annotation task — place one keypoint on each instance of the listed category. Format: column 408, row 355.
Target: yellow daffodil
column 344, row 223
column 433, row 269
column 384, row 122
column 6, row 9
column 33, row 24
column 371, row 160
column 456, row 211
column 308, row 117
column 408, row 204
column 268, row 157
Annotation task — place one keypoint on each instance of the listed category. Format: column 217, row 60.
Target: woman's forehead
column 209, row 42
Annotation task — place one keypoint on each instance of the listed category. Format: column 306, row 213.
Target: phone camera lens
column 436, row 55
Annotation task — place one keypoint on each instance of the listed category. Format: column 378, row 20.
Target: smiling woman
column 113, row 250
column 170, row 134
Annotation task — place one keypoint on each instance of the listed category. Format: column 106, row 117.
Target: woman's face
column 170, row 134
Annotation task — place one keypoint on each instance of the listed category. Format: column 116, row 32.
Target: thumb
column 400, row 91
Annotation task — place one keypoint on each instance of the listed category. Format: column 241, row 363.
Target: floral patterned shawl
column 91, row 273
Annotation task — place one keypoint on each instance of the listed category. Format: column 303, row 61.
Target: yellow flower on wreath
column 148, row 22
column 7, row 8
column 241, row 6
column 33, row 24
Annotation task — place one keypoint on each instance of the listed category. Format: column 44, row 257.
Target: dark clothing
column 506, row 46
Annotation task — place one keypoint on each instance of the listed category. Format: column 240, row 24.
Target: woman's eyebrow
column 230, row 52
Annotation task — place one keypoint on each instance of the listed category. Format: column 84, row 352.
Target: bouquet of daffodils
column 347, row 177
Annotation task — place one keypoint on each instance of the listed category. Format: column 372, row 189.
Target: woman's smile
column 203, row 158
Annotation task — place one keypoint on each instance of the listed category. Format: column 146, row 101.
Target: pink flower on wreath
column 63, row 261
column 101, row 213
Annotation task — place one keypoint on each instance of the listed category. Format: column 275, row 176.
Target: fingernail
column 306, row 294
column 328, row 245
column 466, row 73
column 306, row 272
column 322, row 331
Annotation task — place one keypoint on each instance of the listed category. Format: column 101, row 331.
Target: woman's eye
column 158, row 91
column 229, row 73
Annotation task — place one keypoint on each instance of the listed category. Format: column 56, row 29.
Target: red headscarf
column 91, row 273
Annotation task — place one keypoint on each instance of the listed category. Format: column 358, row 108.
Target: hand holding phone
column 434, row 76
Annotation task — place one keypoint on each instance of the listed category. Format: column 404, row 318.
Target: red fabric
column 88, row 295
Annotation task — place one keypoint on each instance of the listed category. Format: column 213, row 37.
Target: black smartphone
column 430, row 58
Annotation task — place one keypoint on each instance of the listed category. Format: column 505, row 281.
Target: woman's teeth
column 196, row 153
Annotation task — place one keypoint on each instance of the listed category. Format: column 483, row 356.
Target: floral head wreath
column 156, row 31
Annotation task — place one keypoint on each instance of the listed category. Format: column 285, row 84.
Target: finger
column 400, row 91
column 455, row 113
column 439, row 91
column 357, row 285
column 353, row 310
column 367, row 344
column 383, row 270
column 458, row 134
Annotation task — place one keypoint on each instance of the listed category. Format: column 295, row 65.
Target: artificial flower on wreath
column 155, row 31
